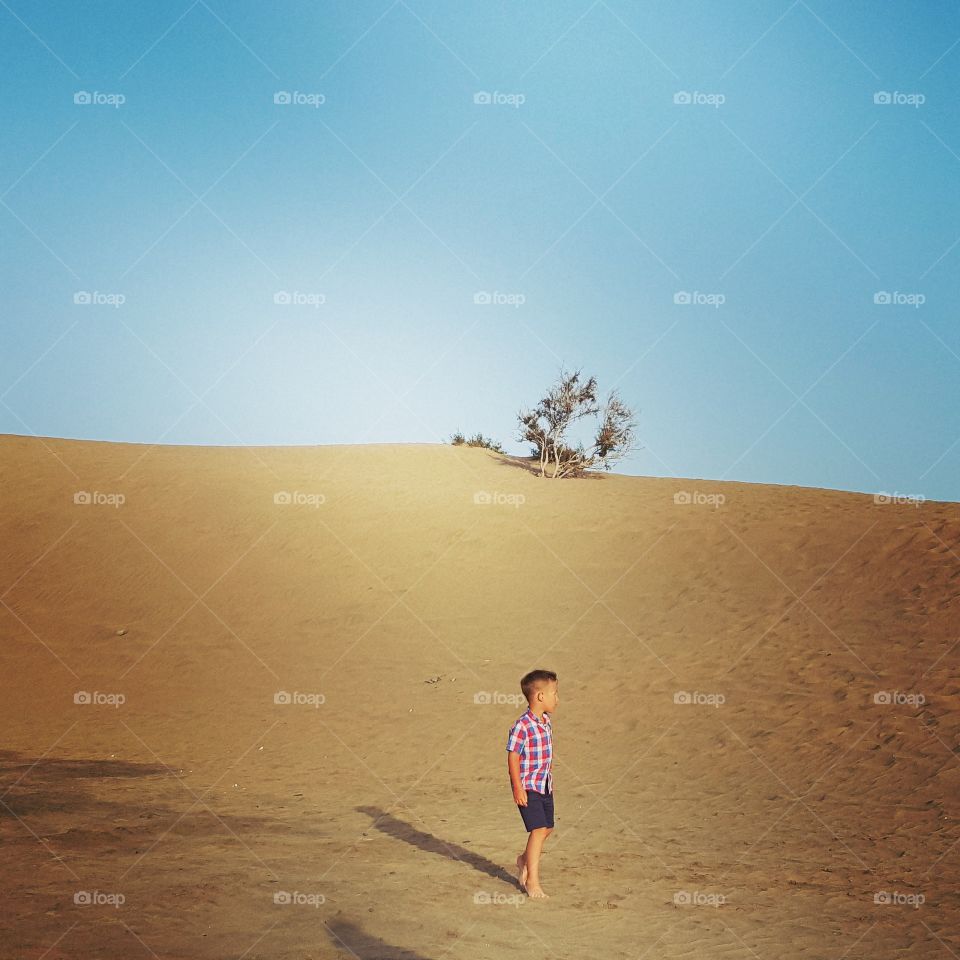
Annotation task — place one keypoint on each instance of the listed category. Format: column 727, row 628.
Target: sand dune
column 763, row 817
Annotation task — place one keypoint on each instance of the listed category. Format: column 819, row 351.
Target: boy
column 529, row 761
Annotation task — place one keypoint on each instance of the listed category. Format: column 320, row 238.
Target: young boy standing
column 529, row 762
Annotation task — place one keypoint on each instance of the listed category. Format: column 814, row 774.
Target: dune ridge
column 757, row 735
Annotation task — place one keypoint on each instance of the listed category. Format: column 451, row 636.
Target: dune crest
column 235, row 672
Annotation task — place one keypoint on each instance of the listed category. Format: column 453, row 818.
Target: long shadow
column 349, row 938
column 62, row 768
column 401, row 830
column 61, row 785
column 83, row 799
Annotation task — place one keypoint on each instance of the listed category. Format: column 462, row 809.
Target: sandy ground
column 763, row 818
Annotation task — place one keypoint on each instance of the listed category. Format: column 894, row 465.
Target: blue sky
column 782, row 200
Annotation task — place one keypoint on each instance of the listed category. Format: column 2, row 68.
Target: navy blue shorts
column 539, row 810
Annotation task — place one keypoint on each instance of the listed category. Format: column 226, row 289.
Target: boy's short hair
column 534, row 680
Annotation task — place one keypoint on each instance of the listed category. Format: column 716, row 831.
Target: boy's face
column 549, row 696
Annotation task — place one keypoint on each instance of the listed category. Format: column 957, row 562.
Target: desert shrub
column 477, row 440
column 569, row 401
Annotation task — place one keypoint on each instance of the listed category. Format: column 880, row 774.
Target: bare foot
column 522, row 872
column 536, row 892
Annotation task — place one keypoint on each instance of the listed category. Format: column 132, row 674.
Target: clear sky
column 582, row 200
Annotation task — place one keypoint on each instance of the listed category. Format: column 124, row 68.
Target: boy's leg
column 522, row 860
column 531, row 859
column 522, row 871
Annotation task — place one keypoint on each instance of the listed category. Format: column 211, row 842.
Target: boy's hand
column 516, row 781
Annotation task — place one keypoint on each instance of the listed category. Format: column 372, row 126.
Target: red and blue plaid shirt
column 533, row 740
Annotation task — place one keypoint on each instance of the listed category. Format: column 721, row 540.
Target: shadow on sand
column 86, row 799
column 50, row 785
column 400, row 830
column 350, row 939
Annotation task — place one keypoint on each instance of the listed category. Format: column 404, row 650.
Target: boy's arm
column 513, row 767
